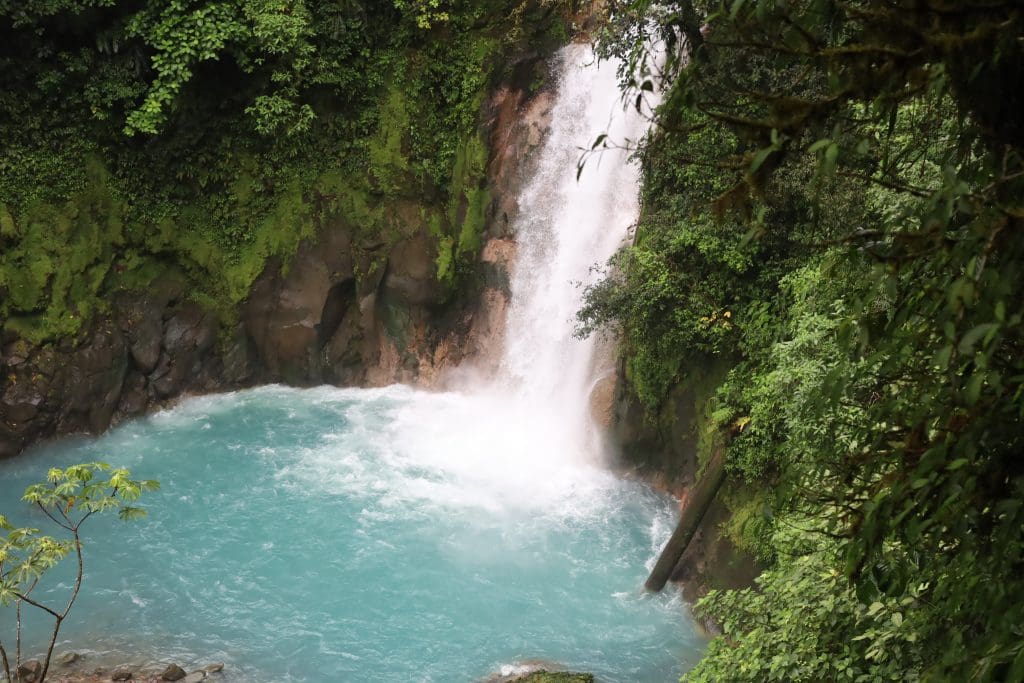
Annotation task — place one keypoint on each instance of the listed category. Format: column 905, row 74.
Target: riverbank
column 74, row 667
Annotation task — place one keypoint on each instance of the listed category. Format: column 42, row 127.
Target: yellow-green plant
column 68, row 498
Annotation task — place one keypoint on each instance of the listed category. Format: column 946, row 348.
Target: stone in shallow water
column 121, row 673
column 194, row 677
column 173, row 673
column 68, row 658
column 214, row 668
column 555, row 677
column 538, row 671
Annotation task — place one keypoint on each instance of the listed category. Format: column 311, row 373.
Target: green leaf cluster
column 803, row 622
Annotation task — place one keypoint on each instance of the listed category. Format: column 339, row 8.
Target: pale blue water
column 365, row 535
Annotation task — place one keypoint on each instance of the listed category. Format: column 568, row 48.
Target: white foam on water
column 421, row 451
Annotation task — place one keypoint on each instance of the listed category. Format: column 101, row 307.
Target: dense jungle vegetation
column 205, row 136
column 833, row 213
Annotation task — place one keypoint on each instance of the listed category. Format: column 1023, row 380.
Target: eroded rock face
column 283, row 313
column 519, row 125
column 411, row 275
column 153, row 348
column 323, row 318
column 519, row 121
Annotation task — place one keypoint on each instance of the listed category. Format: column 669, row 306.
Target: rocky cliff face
column 342, row 311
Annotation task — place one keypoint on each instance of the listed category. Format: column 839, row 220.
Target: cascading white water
column 526, row 437
column 567, row 226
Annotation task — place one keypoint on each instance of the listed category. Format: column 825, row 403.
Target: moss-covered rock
column 555, row 677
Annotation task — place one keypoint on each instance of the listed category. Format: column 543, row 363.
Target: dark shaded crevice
column 339, row 299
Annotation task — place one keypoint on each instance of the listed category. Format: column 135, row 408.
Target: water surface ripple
column 366, row 535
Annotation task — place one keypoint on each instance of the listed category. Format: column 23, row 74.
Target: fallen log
column 704, row 493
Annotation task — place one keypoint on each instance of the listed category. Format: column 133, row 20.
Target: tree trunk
column 7, row 664
column 704, row 493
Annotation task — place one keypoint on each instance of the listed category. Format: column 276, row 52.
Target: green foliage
column 427, row 12
column 210, row 135
column 181, row 38
column 68, row 498
column 847, row 181
column 76, row 493
column 387, row 158
column 469, row 198
column 804, row 623
column 58, row 260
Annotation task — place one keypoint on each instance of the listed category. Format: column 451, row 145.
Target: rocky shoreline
column 72, row 667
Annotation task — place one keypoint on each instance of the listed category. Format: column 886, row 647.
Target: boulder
column 20, row 400
column 538, row 671
column 121, row 673
column 142, row 322
column 555, row 677
column 134, row 399
column 189, row 330
column 173, row 672
column 68, row 658
column 30, row 671
column 194, row 677
column 10, row 443
column 188, row 334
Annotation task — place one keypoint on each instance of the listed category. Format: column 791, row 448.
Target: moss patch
column 55, row 259
column 388, row 162
column 555, row 677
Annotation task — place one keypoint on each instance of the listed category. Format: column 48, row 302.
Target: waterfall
column 525, row 435
column 566, row 227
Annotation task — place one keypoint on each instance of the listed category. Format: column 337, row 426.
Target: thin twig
column 71, row 600
column 41, row 606
column 55, row 520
